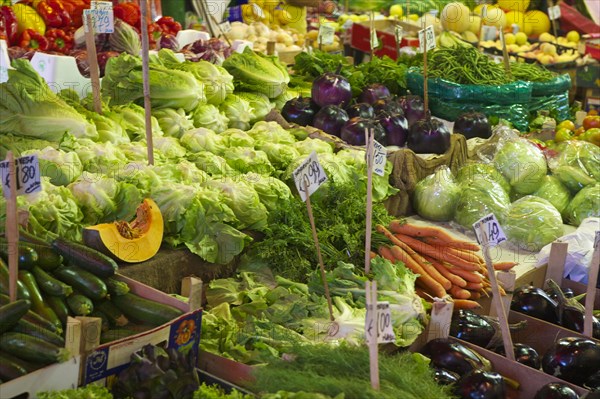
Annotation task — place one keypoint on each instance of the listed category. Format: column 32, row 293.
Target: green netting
column 558, row 85
column 555, row 102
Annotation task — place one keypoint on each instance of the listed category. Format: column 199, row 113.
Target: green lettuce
column 19, row 144
column 208, row 116
column 270, row 132
column 554, row 192
column 585, row 204
column 238, row 111
column 217, row 82
column 245, row 159
column 183, row 172
column 202, row 139
column 280, row 155
column 237, row 138
column 532, row 222
column 479, row 197
column 260, row 104
column 211, row 163
column 270, row 190
column 474, row 169
column 173, row 122
column 169, row 147
column 132, row 119
column 522, row 164
column 61, row 167
column 308, row 145
column 435, row 197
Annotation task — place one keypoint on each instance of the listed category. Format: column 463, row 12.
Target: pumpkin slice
column 130, row 242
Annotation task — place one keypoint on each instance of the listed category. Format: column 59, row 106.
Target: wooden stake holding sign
column 426, row 43
column 371, row 299
column 308, row 177
column 591, row 287
column 370, row 139
column 373, row 40
column 20, row 176
column 505, row 55
column 399, row 33
column 489, row 233
column 146, row 80
column 553, row 15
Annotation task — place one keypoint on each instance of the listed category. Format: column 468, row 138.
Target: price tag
column 488, row 32
column 348, row 24
column 379, row 325
column 374, row 39
column 399, row 33
column 597, row 240
column 515, row 28
column 379, row 158
column 492, row 232
column 326, row 34
column 225, row 27
column 28, row 175
column 430, row 34
column 554, row 12
column 102, row 17
column 309, row 176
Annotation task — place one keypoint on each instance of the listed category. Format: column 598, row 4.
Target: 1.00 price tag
column 488, row 231
column 27, row 173
column 379, row 325
column 309, row 176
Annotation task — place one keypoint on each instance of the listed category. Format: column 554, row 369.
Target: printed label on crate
column 110, row 359
column 379, row 325
column 27, row 171
column 488, row 231
column 309, row 176
column 554, row 12
column 428, row 34
column 102, row 17
column 326, row 34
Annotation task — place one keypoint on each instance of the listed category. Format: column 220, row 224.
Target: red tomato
column 591, row 121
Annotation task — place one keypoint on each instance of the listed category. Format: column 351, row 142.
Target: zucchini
column 33, row 317
column 49, row 285
column 10, row 370
column 80, row 305
column 48, row 258
column 59, row 305
column 102, row 316
column 25, row 327
column 11, row 313
column 115, row 316
column 30, row 238
column 114, row 335
column 145, row 311
column 85, row 257
column 32, row 349
column 83, row 281
column 37, row 301
column 28, row 257
column 28, row 366
column 116, row 287
column 22, row 292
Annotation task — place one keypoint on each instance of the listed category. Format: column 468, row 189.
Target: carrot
column 426, row 279
column 464, row 245
column 469, row 256
column 427, row 249
column 475, row 295
column 373, row 255
column 459, row 293
column 474, row 286
column 473, row 277
column 386, row 253
column 443, row 270
column 504, row 265
column 465, row 304
column 419, row 231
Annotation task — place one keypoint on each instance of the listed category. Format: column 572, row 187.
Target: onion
column 353, row 131
column 362, row 110
column 413, row 107
column 428, row 136
column 331, row 89
column 373, row 93
column 330, row 119
column 299, row 110
column 395, row 126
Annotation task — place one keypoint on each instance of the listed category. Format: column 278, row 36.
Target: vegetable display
column 435, row 197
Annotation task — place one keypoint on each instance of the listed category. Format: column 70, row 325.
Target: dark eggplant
column 361, row 110
column 299, row 110
column 524, row 354
column 571, row 313
column 473, row 124
column 428, row 136
column 471, row 327
column 331, row 119
column 445, row 377
column 373, row 93
column 593, row 382
column 556, row 390
column 392, row 106
column 413, row 107
column 395, row 126
column 572, row 359
column 480, row 384
column 534, row 302
column 331, row 89
column 453, row 356
column 353, row 131
column 566, row 291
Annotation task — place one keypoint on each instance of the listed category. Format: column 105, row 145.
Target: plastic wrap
column 522, row 163
column 473, row 170
column 584, row 205
column 435, row 196
column 532, row 222
column 559, row 85
column 576, row 164
column 553, row 191
column 480, row 196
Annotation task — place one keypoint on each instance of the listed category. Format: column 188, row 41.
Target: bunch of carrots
column 445, row 265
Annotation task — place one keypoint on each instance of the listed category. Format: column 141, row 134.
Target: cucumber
column 32, row 349
column 83, row 281
column 59, row 305
column 37, row 301
column 85, row 257
column 28, row 257
column 102, row 316
column 115, row 316
column 144, row 310
column 114, row 335
column 22, row 292
column 116, row 287
column 25, row 327
column 10, row 370
column 80, row 305
column 28, row 366
column 49, row 285
column 11, row 313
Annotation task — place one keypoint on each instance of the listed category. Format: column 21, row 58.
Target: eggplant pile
column 553, row 306
column 575, row 360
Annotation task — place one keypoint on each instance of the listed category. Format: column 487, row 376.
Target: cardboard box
column 361, row 37
column 183, row 333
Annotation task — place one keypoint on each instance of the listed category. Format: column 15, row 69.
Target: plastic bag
column 480, row 196
column 532, row 222
column 559, row 85
column 576, row 164
column 584, row 205
column 554, row 192
column 435, row 196
column 522, row 163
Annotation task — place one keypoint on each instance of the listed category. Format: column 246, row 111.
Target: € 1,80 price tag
column 430, row 35
column 27, row 170
column 309, row 176
column 378, row 324
column 488, row 231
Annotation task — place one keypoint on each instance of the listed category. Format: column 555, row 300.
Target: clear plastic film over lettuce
column 576, row 164
column 586, row 203
column 435, row 197
column 532, row 222
column 480, row 196
column 554, row 192
column 472, row 170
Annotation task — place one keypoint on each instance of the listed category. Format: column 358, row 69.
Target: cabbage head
column 554, row 192
column 61, row 167
column 585, row 204
column 435, row 197
column 245, row 160
column 478, row 198
column 581, row 155
column 259, row 103
column 473, row 170
column 202, row 139
column 239, row 111
column 522, row 164
column 532, row 222
column 209, row 117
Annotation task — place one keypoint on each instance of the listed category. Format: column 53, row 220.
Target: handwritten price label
column 398, row 33
column 379, row 158
column 488, row 231
column 430, row 35
column 374, row 39
column 554, row 12
column 309, row 176
column 225, row 27
column 28, row 175
column 102, row 17
column 326, row 34
column 379, row 325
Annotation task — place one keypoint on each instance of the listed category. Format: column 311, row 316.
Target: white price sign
column 554, row 12
column 489, row 32
column 309, row 176
column 379, row 158
column 374, row 39
column 225, row 27
column 488, row 231
column 102, row 17
column 399, row 33
column 326, row 34
column 378, row 324
column 430, row 35
column 28, row 175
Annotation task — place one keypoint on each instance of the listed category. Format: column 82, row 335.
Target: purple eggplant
column 453, row 356
column 535, row 302
column 395, row 126
column 331, row 119
column 571, row 313
column 556, row 390
column 473, row 124
column 361, row 110
column 593, row 382
column 428, row 136
column 445, row 377
column 353, row 131
column 572, row 359
column 331, row 89
column 471, row 327
column 391, row 106
column 299, row 110
column 373, row 93
column 524, row 354
column 480, row 384
column 413, row 107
